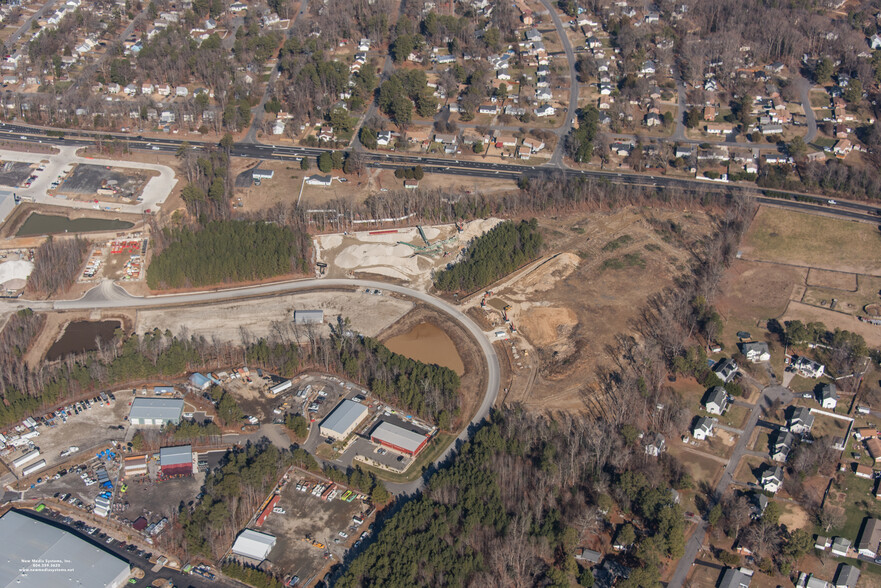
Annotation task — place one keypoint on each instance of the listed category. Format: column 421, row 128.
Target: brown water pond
column 428, row 343
column 81, row 336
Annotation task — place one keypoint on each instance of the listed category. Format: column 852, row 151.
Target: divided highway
column 477, row 169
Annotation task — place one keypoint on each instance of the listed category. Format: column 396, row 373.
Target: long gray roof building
column 44, row 556
column 156, row 411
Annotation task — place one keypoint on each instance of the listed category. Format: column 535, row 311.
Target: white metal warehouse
column 305, row 317
column 156, row 411
column 343, row 420
column 58, row 558
column 253, row 544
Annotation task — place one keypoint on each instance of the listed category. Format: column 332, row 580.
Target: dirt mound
column 549, row 273
column 544, row 325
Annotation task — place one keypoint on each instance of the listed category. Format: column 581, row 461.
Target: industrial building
column 81, row 563
column 25, row 459
column 278, row 388
column 398, row 438
column 344, row 419
column 200, row 381
column 308, row 317
column 176, row 461
column 156, row 411
column 253, row 544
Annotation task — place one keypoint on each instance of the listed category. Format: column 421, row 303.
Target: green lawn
column 735, row 416
column 821, row 142
column 859, row 504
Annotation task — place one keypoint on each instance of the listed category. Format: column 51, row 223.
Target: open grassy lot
column 702, row 468
column 810, row 240
column 749, row 469
column 855, row 496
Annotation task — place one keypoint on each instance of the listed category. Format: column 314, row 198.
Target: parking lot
column 87, row 429
column 307, row 516
column 14, row 173
column 153, row 500
column 87, row 179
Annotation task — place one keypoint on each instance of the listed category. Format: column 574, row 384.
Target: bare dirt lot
column 86, row 180
column 255, row 318
column 308, row 516
column 834, row 280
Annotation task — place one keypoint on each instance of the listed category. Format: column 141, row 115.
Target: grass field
column 859, row 503
column 701, row 468
column 810, row 240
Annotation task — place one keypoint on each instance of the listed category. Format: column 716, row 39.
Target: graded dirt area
column 829, row 279
column 597, row 272
column 368, row 314
column 808, row 314
column 811, row 240
column 401, row 254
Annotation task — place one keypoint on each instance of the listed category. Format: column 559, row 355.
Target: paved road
column 563, row 131
column 766, row 400
column 108, row 295
column 804, row 88
column 26, row 26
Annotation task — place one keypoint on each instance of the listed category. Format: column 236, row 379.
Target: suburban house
column 873, row 446
column 822, row 543
column 846, row 576
column 716, row 400
column 703, row 428
column 827, row 396
column 808, row 368
column 782, row 445
column 732, row 578
column 801, row 420
column 870, row 537
column 865, row 433
column 384, row 138
column 655, row 444
column 725, row 369
column 840, row 546
column 772, row 479
column 864, row 471
column 546, row 110
column 815, row 582
column 758, row 503
column 588, row 555
column 755, row 351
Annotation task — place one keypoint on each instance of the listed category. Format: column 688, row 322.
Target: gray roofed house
column 703, row 428
column 782, row 445
column 801, row 420
column 716, row 400
column 588, row 555
column 846, row 576
column 655, row 444
column 755, row 351
column 772, row 479
column 827, row 396
column 36, row 541
column 870, row 537
column 815, row 582
column 156, row 411
column 759, row 503
column 840, row 546
column 725, row 369
column 732, row 578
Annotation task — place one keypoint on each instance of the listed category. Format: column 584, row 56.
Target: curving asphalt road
column 109, row 295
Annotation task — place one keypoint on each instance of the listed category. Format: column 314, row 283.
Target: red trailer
column 267, row 510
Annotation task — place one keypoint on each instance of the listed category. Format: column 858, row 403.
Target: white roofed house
column 546, row 110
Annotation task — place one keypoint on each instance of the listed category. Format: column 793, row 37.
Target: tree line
column 491, row 256
column 517, row 501
column 227, row 251
column 57, row 263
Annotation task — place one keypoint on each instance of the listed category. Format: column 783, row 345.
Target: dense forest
column 505, row 248
column 518, row 500
column 231, row 495
column 57, row 263
column 227, row 251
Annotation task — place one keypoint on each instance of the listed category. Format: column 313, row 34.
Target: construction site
column 408, row 255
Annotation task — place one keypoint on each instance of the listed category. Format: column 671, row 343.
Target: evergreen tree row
column 227, row 251
column 489, row 257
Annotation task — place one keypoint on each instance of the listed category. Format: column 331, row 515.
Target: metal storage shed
column 343, row 420
column 253, row 544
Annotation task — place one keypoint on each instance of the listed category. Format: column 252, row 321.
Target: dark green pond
column 46, row 224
